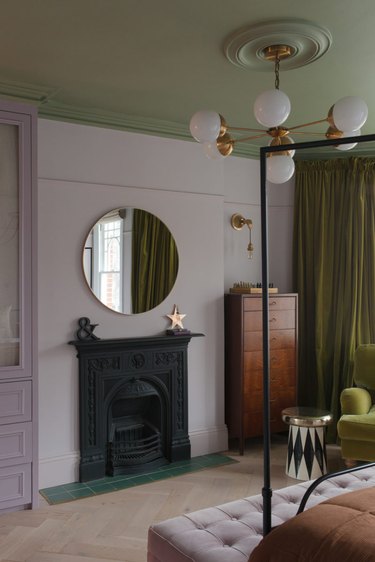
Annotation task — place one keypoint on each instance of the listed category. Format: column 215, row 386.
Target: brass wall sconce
column 238, row 221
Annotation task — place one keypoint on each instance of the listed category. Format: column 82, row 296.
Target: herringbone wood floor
column 113, row 527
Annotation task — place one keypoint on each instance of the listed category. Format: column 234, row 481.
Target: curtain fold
column 334, row 274
column 155, row 261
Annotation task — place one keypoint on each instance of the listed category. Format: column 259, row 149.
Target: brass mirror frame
column 84, row 269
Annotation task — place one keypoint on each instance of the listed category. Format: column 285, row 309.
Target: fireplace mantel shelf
column 142, row 341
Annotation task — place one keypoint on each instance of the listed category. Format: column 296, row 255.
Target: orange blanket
column 341, row 529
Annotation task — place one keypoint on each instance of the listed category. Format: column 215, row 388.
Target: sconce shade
column 280, row 168
column 205, row 126
column 272, row 108
column 349, row 113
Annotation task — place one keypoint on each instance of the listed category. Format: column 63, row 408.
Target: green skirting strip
column 79, row 490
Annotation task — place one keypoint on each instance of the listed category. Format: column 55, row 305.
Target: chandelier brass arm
column 311, row 123
column 271, row 109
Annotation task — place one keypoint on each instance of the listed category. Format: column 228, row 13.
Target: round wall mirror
column 130, row 260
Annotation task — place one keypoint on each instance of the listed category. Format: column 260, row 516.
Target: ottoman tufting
column 231, row 531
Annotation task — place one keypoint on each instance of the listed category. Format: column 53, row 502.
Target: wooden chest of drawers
column 244, row 362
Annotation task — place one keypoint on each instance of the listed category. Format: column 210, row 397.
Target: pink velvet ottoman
column 230, row 532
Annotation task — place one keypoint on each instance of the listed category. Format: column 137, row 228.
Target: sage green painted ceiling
column 148, row 65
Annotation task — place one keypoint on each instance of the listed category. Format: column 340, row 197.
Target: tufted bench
column 231, row 531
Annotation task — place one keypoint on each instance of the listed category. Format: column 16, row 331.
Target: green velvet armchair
column 356, row 427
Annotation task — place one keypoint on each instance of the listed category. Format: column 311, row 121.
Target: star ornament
column 176, row 318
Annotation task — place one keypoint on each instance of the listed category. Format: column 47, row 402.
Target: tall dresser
column 244, row 362
column 18, row 328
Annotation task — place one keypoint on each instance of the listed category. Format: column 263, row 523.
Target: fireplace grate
column 133, row 445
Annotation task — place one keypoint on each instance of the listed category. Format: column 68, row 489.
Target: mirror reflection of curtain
column 334, row 273
column 155, row 261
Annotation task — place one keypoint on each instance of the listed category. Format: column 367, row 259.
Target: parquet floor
column 113, row 527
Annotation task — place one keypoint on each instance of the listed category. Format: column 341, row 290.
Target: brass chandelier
column 271, row 109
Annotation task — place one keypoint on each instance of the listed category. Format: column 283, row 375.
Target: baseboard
column 206, row 441
column 63, row 469
column 54, row 471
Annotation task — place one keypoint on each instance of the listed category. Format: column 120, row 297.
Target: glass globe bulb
column 281, row 142
column 272, row 108
column 350, row 113
column 211, row 151
column 349, row 145
column 205, row 125
column 280, row 168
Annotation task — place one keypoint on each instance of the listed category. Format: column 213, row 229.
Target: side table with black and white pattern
column 307, row 457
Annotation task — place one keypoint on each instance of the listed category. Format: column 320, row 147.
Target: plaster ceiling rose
column 247, row 46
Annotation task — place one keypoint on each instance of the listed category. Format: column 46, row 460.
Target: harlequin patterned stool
column 307, row 458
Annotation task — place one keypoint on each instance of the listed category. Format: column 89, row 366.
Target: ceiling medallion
column 247, row 47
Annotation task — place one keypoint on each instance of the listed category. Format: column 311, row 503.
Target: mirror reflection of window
column 130, row 260
column 109, row 247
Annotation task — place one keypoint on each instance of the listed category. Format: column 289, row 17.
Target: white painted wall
column 242, row 195
column 280, row 219
column 84, row 172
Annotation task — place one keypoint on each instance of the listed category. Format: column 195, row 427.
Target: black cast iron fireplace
column 133, row 404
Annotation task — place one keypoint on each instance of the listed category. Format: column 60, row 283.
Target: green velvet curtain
column 155, row 261
column 334, row 274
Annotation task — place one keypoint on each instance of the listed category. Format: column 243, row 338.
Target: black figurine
column 86, row 330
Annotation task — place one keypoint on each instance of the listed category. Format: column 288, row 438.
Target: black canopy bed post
column 266, row 490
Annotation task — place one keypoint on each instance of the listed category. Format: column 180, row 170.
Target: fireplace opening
column 136, row 429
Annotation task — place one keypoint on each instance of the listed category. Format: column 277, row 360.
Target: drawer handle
column 273, row 320
column 272, row 303
column 274, row 338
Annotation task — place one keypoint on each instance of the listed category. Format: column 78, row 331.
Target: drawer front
column 279, row 359
column 282, row 319
column 252, row 303
column 253, row 420
column 278, row 320
column 15, row 485
column 282, row 396
column 253, row 382
column 274, row 303
column 253, row 424
column 281, row 303
column 279, row 339
column 15, row 444
column 15, row 402
column 280, row 378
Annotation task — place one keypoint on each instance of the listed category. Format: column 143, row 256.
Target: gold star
column 176, row 318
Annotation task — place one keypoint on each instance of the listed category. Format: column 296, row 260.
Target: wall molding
column 210, row 440
column 62, row 469
column 50, row 108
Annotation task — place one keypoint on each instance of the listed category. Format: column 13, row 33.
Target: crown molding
column 29, row 93
column 130, row 123
column 49, row 108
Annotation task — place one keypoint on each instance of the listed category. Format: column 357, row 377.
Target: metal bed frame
column 267, row 490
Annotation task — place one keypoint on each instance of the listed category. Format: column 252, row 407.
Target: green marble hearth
column 79, row 490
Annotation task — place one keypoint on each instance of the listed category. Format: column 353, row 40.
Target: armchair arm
column 355, row 401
